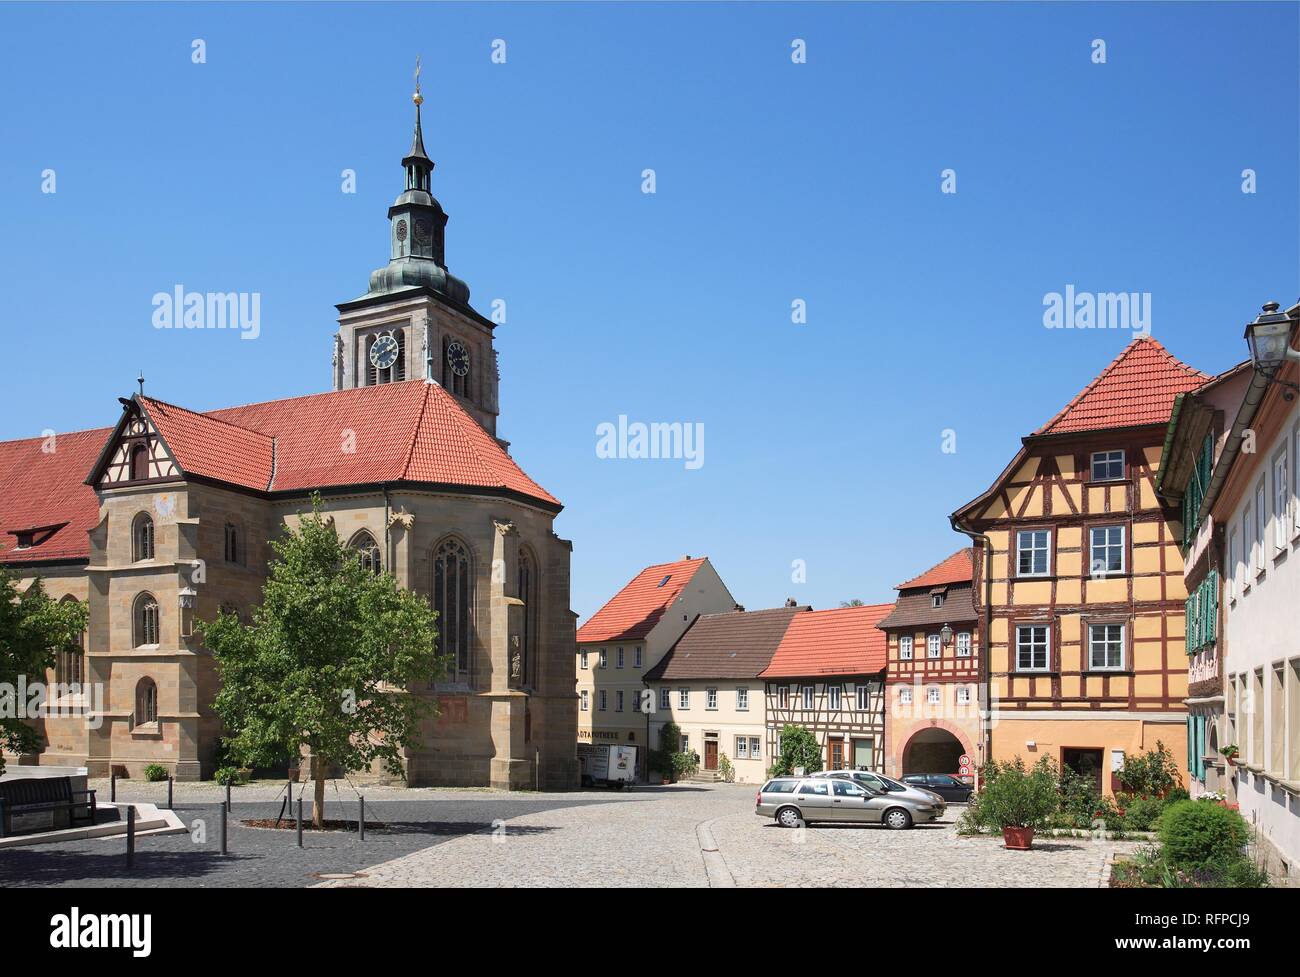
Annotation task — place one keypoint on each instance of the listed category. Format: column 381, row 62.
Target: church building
column 164, row 518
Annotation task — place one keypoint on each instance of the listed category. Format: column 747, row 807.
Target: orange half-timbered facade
column 1086, row 658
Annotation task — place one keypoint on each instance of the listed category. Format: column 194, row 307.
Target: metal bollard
column 361, row 816
column 224, row 849
column 130, row 835
column 169, row 792
column 228, row 808
column 300, row 822
column 112, row 788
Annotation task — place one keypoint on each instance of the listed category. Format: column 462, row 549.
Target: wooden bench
column 43, row 804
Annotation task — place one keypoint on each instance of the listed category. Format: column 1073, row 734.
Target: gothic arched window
column 453, row 590
column 146, row 702
column 234, row 545
column 142, row 538
column 145, row 621
column 367, row 551
column 528, row 593
column 69, row 664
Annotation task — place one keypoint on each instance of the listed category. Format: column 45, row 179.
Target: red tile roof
column 956, row 569
column 413, row 431
column 211, row 447
column 1137, row 388
column 631, row 613
column 844, row 641
column 44, row 488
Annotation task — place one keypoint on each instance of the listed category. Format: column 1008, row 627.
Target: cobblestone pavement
column 697, row 836
column 686, row 835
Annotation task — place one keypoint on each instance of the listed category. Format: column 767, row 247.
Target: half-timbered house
column 828, row 676
column 932, row 679
column 1086, row 657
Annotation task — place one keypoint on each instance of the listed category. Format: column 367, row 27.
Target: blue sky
column 775, row 181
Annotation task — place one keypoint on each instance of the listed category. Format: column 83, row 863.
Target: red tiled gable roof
column 633, row 612
column 413, row 431
column 956, row 569
column 46, row 488
column 211, row 447
column 1137, row 388
column 844, row 641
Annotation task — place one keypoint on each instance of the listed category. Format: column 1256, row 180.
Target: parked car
column 875, row 781
column 945, row 785
column 792, row 801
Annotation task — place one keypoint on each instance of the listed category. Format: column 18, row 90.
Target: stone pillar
column 510, row 767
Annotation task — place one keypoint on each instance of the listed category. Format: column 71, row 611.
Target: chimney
column 791, row 602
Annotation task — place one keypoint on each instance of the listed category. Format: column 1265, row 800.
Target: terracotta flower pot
column 1018, row 839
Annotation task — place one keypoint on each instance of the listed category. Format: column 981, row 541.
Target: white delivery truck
column 602, row 765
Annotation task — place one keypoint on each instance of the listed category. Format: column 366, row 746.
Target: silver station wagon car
column 792, row 801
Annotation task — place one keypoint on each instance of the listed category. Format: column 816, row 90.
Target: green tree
column 327, row 662
column 855, row 602
column 1150, row 774
column 799, row 748
column 32, row 628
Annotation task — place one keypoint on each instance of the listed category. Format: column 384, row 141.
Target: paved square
column 685, row 835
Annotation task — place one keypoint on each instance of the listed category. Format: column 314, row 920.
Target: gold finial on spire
column 417, row 98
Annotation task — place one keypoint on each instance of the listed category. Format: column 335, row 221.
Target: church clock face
column 458, row 359
column 383, row 353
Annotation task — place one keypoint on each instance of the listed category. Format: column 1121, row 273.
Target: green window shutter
column 1187, row 624
column 1200, row 748
column 1212, row 601
column 1191, row 744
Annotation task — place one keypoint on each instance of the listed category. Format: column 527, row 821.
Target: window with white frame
column 1295, row 488
column 742, row 699
column 933, row 696
column 755, row 748
column 742, row 747
column 665, row 699
column 1033, row 552
column 1261, row 522
column 1031, row 648
column 808, row 696
column 905, row 648
column 1234, row 570
column 604, row 699
column 1248, row 545
column 583, row 658
column 834, row 692
column 604, row 658
column 620, row 659
column 618, row 701
column 963, row 644
column 1105, row 647
column 905, row 695
column 1107, row 466
column 864, row 698
column 1106, row 550
column 585, row 701
column 932, row 647
column 936, row 600
column 686, row 743
column 683, row 698
column 783, row 697
column 1281, row 501
column 963, row 695
column 710, row 698
column 636, row 657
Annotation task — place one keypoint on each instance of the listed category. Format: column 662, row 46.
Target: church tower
column 415, row 320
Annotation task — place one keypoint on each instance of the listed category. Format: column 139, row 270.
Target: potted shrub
column 1018, row 801
column 1230, row 753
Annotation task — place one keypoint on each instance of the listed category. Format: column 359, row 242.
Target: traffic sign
column 963, row 761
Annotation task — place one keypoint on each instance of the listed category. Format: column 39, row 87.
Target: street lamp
column 945, row 635
column 1269, row 338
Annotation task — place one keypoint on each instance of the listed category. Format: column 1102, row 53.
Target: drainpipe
column 388, row 543
column 986, row 715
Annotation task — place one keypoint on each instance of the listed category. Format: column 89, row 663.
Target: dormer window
column 1107, row 466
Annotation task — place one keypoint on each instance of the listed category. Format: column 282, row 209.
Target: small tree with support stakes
column 327, row 663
